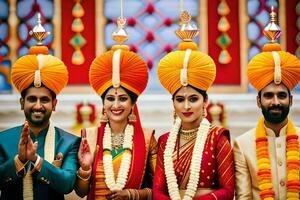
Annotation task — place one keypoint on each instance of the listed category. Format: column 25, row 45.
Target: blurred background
column 230, row 32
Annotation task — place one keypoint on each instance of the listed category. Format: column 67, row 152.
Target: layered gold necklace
column 117, row 140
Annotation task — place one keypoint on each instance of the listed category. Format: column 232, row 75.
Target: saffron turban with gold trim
column 261, row 69
column 200, row 68
column 132, row 72
column 45, row 69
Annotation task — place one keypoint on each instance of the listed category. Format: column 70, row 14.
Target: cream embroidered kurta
column 246, row 165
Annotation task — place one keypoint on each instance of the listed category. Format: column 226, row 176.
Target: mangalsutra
column 188, row 134
column 117, row 141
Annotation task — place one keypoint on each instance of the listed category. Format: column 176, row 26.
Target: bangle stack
column 134, row 194
column 149, row 193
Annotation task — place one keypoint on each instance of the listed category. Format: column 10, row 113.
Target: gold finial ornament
column 120, row 35
column 272, row 31
column 187, row 30
column 38, row 32
column 185, row 17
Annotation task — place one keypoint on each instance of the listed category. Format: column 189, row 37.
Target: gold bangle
column 83, row 179
column 129, row 195
column 149, row 193
column 132, row 191
column 87, row 174
column 85, row 171
column 138, row 194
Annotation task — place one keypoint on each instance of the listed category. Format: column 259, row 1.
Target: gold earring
column 174, row 116
column 204, row 114
column 132, row 118
column 103, row 117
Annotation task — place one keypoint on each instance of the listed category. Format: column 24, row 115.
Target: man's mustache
column 276, row 107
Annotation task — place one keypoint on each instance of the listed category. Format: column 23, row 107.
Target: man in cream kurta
column 246, row 165
column 261, row 154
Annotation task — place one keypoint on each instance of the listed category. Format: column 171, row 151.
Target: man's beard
column 275, row 118
column 39, row 121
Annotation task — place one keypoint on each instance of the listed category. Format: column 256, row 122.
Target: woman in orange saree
column 123, row 164
column 195, row 159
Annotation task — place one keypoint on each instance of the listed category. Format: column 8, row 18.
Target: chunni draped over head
column 132, row 71
column 200, row 69
column 39, row 69
column 262, row 70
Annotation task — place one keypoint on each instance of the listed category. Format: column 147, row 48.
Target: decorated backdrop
column 230, row 32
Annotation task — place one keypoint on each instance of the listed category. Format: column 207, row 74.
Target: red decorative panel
column 227, row 74
column 291, row 25
column 78, row 74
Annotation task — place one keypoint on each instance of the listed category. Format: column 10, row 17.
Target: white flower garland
column 110, row 181
column 195, row 164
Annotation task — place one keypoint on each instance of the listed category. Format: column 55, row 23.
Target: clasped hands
column 27, row 149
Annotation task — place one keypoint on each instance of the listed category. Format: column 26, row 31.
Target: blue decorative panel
column 258, row 12
column 5, row 63
column 150, row 26
column 26, row 12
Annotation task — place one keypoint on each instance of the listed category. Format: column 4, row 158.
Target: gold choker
column 188, row 134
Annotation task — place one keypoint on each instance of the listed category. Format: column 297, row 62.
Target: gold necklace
column 188, row 134
column 117, row 141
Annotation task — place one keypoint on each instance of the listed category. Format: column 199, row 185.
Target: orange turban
column 200, row 68
column 39, row 69
column 261, row 68
column 133, row 71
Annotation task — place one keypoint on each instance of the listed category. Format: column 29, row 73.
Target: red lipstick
column 187, row 114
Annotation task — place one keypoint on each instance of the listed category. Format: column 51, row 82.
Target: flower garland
column 195, row 163
column 110, row 181
column 264, row 166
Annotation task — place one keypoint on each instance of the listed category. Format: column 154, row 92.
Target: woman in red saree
column 122, row 166
column 195, row 159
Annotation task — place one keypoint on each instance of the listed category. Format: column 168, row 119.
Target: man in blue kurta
column 37, row 159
